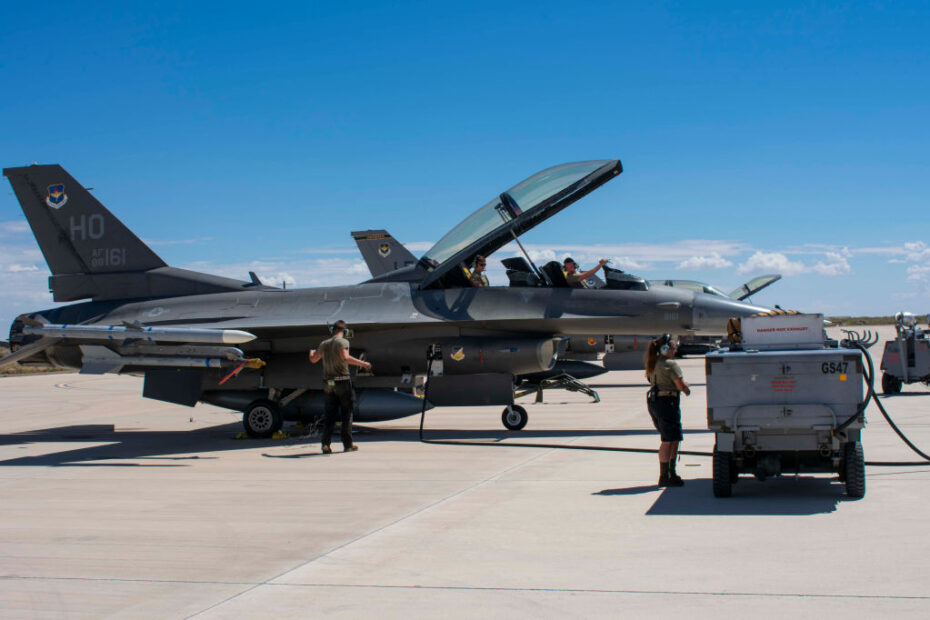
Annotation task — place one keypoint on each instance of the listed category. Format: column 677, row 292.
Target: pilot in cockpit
column 576, row 279
column 477, row 277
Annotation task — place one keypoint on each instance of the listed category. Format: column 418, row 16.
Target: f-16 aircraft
column 243, row 345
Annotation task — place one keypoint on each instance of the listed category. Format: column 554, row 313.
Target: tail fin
column 75, row 232
column 89, row 251
column 382, row 252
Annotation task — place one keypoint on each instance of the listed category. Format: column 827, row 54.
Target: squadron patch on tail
column 56, row 196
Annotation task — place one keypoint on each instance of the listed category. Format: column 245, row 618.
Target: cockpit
column 502, row 220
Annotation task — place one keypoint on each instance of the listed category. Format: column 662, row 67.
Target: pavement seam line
column 474, row 588
column 361, row 537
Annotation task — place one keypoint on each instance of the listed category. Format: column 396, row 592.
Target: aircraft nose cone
column 711, row 313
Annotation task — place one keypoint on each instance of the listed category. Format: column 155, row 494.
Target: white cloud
column 157, row 242
column 628, row 264
column 328, row 271
column 714, row 261
column 919, row 273
column 772, row 262
column 911, row 250
column 539, row 257
column 15, row 268
column 834, row 265
column 917, row 251
column 419, row 246
column 17, row 227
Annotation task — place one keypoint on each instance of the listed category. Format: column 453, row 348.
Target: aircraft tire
column 261, row 419
column 515, row 418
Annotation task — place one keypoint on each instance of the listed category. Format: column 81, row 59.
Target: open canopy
column 514, row 212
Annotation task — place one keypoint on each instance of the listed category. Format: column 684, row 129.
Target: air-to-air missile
column 121, row 333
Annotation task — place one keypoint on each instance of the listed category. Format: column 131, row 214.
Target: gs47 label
column 832, row 368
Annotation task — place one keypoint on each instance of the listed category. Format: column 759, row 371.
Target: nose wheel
column 514, row 418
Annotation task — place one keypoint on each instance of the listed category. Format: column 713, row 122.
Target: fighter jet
column 243, row 345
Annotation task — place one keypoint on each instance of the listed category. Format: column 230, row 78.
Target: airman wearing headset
column 663, row 401
column 337, row 384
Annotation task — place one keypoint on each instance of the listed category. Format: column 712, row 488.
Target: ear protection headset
column 346, row 332
column 664, row 343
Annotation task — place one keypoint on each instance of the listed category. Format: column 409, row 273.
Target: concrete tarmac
column 116, row 506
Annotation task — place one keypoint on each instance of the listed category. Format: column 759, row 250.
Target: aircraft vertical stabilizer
column 92, row 254
column 382, row 252
column 77, row 234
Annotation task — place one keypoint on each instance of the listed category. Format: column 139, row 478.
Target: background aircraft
column 243, row 345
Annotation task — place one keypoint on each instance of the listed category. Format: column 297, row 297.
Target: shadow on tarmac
column 124, row 444
column 806, row 495
column 904, row 394
column 155, row 448
column 786, row 495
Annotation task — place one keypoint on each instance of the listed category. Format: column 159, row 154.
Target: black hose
column 870, row 383
column 453, row 442
column 870, row 395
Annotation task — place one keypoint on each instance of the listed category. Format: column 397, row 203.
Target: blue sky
column 756, row 137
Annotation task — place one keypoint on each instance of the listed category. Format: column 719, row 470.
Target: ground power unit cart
column 906, row 359
column 781, row 400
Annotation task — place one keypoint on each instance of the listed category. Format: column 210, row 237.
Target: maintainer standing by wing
column 337, row 384
column 663, row 400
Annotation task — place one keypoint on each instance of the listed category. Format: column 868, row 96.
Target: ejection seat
column 519, row 272
column 553, row 271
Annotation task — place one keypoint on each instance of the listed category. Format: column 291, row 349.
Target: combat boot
column 674, row 480
column 663, row 474
column 668, row 477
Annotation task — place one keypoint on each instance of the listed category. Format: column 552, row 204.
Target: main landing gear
column 262, row 419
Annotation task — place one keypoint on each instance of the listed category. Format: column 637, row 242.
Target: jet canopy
column 511, row 214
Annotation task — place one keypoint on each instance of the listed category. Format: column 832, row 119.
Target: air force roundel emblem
column 56, row 196
column 384, row 249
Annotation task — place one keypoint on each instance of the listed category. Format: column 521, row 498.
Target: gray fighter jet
column 243, row 345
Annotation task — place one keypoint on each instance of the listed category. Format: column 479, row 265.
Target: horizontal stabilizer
column 28, row 351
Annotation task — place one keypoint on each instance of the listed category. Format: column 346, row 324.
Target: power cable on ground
column 870, row 396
